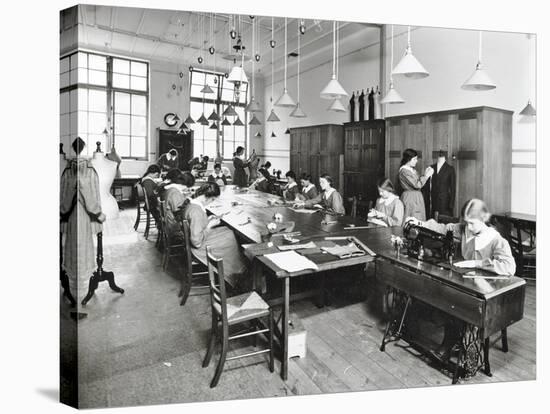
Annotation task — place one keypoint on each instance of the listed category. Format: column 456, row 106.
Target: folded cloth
column 343, row 252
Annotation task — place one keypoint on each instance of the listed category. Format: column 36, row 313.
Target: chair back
column 145, row 198
column 217, row 285
column 139, row 193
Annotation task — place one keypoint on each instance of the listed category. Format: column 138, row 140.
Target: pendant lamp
column 214, row 116
column 529, row 109
column 287, row 132
column 272, row 115
column 409, row 66
column 237, row 74
column 285, row 100
column 297, row 112
column 183, row 128
column 254, row 120
column 202, row 120
column 214, row 125
column 189, row 120
column 226, row 122
column 333, row 90
column 392, row 97
column 230, row 111
column 254, row 105
column 258, row 134
column 273, row 134
column 480, row 80
column 238, row 122
column 336, row 106
column 207, row 89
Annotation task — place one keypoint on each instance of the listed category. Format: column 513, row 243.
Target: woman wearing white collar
column 263, row 183
column 217, row 176
column 482, row 246
column 411, row 184
column 309, row 191
column 176, row 194
column 329, row 199
column 389, row 208
column 291, row 190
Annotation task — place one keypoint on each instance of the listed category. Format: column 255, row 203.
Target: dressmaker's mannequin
column 62, row 159
column 106, row 170
column 377, row 105
column 113, row 156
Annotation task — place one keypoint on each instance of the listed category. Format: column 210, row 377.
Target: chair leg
column 138, row 217
column 271, row 360
column 165, row 258
column 504, row 339
column 221, row 363
column 186, row 282
column 211, row 342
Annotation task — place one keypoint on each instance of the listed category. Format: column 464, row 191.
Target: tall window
column 225, row 139
column 100, row 93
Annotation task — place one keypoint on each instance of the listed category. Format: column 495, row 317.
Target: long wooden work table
column 485, row 306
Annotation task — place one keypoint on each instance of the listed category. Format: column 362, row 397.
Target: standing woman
column 240, row 177
column 411, row 184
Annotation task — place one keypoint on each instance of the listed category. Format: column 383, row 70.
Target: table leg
column 284, row 326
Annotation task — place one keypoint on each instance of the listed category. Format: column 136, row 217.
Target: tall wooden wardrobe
column 316, row 150
column 478, row 142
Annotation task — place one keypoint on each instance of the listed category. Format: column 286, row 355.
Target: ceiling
column 181, row 37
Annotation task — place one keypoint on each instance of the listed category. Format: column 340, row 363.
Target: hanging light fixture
column 273, row 134
column 202, row 120
column 183, row 129
column 529, row 109
column 285, row 100
column 237, row 74
column 214, row 116
column 287, row 132
column 254, row 120
column 189, row 120
column 206, row 89
column 258, row 134
column 226, row 122
column 392, row 97
column 214, row 125
column 229, row 111
column 302, row 27
column 409, row 66
column 233, row 32
column 336, row 106
column 238, row 122
column 333, row 90
column 272, row 115
column 297, row 112
column 254, row 105
column 480, row 80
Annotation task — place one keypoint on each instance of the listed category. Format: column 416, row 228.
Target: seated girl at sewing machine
column 291, row 190
column 329, row 199
column 389, row 209
column 482, row 246
column 263, row 183
column 217, row 176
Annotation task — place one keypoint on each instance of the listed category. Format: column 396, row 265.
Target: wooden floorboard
column 143, row 348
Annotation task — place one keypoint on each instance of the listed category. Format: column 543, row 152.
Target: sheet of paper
column 287, row 247
column 303, row 210
column 291, row 261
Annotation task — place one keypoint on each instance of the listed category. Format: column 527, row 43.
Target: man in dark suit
column 440, row 189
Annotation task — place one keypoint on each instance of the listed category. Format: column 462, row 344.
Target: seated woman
column 176, row 194
column 309, row 191
column 170, row 174
column 169, row 160
column 150, row 181
column 291, row 190
column 217, row 176
column 329, row 199
column 263, row 183
column 389, row 208
column 204, row 232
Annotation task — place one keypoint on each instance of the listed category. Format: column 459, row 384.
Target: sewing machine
column 423, row 243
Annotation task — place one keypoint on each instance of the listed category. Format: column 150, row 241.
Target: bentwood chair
column 192, row 268
column 148, row 222
column 171, row 246
column 139, row 198
column 236, row 310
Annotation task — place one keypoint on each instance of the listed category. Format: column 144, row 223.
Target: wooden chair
column 247, row 307
column 192, row 269
column 139, row 198
column 148, row 215
column 171, row 246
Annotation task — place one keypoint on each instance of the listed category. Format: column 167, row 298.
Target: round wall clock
column 171, row 119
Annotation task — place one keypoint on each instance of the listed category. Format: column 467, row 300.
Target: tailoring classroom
column 259, row 206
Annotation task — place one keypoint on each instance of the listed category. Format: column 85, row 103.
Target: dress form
column 106, row 170
column 377, row 105
column 352, row 108
column 366, row 106
column 362, row 106
column 113, row 156
column 356, row 115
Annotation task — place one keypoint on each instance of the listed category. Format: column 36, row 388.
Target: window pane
column 64, row 126
column 64, row 103
column 139, row 105
column 64, row 65
column 74, row 122
column 82, row 122
column 227, row 95
column 73, row 77
column 196, row 111
column 82, row 75
column 122, row 103
column 139, row 126
column 139, row 83
column 82, row 99
column 122, row 124
column 96, row 77
column 97, row 62
column 122, row 145
column 228, row 149
column 197, row 78
column 196, row 91
column 138, row 147
column 239, row 133
column 74, row 61
column 82, row 60
column 212, row 81
column 228, row 133
column 121, row 66
column 64, row 80
column 139, row 69
column 121, row 81
column 73, row 101
column 97, row 101
column 210, row 148
column 96, row 122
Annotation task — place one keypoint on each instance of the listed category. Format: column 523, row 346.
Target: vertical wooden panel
column 469, row 170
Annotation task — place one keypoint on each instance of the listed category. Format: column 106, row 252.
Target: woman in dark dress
column 150, row 182
column 411, row 184
column 240, row 178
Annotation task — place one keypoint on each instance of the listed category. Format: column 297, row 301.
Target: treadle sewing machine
column 482, row 303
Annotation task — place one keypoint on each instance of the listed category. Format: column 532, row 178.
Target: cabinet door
column 396, row 138
column 439, row 133
column 469, row 169
column 353, row 149
column 416, row 139
column 304, row 151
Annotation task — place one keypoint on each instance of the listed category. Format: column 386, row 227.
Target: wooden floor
column 143, row 348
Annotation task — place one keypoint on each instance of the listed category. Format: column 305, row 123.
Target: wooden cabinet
column 317, row 150
column 364, row 149
column 478, row 143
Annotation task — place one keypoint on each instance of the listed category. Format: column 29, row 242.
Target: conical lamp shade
column 333, row 90
column 336, row 106
column 258, row 134
column 479, row 81
column 410, row 67
column 214, row 125
column 392, row 97
column 273, row 117
column 183, row 128
column 253, row 106
column 214, row 116
column 238, row 122
column 237, row 74
column 273, row 135
column 529, row 110
column 202, row 120
column 207, row 89
column 287, row 132
column 297, row 112
column 285, row 100
column 226, row 122
column 254, row 121
column 230, row 111
column 189, row 120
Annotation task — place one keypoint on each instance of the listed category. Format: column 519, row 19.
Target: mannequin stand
column 100, row 275
column 63, row 275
